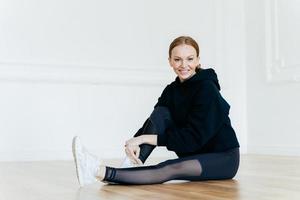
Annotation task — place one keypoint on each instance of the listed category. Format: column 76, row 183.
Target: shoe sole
column 78, row 168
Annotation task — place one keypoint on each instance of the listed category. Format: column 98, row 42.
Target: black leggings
column 208, row 166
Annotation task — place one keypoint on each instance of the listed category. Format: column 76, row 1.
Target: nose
column 183, row 64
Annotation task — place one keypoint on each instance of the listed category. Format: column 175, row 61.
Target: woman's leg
column 157, row 123
column 210, row 166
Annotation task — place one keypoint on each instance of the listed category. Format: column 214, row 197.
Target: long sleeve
column 164, row 98
column 204, row 119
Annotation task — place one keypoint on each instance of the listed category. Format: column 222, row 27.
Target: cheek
column 195, row 63
column 174, row 65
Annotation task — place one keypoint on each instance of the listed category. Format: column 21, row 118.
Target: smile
column 184, row 71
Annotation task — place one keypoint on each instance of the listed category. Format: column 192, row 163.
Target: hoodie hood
column 203, row 74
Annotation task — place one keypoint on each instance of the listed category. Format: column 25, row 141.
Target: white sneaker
column 87, row 165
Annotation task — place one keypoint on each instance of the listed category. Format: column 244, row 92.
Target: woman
column 190, row 118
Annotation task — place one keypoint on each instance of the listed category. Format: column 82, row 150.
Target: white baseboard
column 116, row 153
column 56, row 154
column 274, row 150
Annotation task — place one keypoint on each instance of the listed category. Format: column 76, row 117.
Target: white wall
column 273, row 72
column 96, row 69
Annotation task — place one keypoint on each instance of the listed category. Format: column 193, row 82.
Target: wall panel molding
column 83, row 74
column 219, row 53
column 63, row 154
column 277, row 67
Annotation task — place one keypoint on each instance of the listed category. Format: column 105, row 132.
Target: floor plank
column 259, row 177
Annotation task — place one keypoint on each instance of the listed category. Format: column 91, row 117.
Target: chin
column 185, row 76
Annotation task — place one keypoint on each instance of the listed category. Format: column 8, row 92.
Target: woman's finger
column 127, row 151
column 136, row 150
column 138, row 155
column 140, row 162
column 135, row 157
column 130, row 154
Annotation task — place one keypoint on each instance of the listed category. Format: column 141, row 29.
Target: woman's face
column 184, row 61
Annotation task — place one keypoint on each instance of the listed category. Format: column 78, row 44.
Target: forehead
column 184, row 50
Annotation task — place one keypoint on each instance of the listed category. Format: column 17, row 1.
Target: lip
column 183, row 71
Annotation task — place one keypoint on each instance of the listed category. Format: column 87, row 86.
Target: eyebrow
column 187, row 57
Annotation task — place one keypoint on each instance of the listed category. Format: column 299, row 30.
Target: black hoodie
column 200, row 115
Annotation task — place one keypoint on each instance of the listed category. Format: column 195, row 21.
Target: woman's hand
column 133, row 152
column 132, row 149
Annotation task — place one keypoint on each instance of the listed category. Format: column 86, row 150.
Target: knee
column 233, row 172
column 161, row 111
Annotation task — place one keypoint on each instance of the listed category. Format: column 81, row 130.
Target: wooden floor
column 259, row 177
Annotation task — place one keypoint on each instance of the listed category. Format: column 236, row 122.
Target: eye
column 190, row 59
column 176, row 59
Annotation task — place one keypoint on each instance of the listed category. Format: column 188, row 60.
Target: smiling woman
column 184, row 57
column 190, row 119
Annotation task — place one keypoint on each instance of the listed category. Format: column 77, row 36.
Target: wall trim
column 276, row 68
column 220, row 43
column 84, row 74
column 62, row 154
column 274, row 150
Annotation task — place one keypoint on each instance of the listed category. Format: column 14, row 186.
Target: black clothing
column 157, row 123
column 200, row 167
column 190, row 118
column 200, row 115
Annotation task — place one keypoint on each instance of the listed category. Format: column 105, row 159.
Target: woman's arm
column 150, row 139
column 147, row 139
